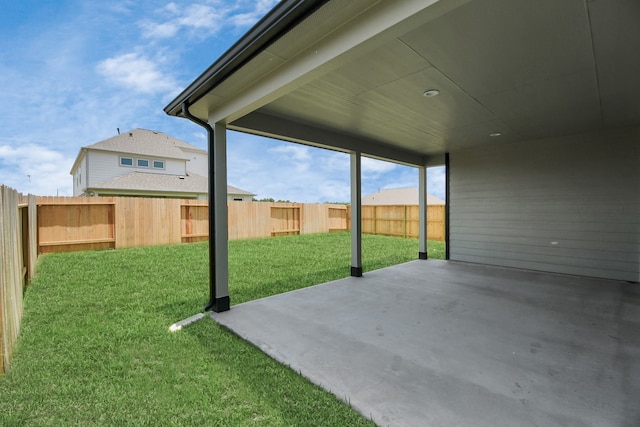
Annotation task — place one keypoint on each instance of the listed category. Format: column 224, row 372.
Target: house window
column 142, row 163
column 158, row 164
column 126, row 161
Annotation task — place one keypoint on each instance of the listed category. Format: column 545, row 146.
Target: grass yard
column 95, row 347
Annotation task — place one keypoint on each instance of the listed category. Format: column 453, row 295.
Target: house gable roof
column 238, row 191
column 141, row 142
column 398, row 196
column 163, row 183
column 145, row 143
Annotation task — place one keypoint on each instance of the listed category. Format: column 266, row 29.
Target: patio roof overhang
column 411, row 81
column 353, row 75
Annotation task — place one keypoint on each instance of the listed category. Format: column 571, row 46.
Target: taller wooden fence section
column 18, row 257
column 403, row 221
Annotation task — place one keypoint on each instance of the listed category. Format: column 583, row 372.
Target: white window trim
column 128, row 158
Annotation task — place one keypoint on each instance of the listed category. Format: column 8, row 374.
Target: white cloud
column 163, row 30
column 137, row 73
column 193, row 17
column 250, row 18
column 204, row 19
column 375, row 167
column 436, row 181
column 200, row 16
column 37, row 170
column 298, row 153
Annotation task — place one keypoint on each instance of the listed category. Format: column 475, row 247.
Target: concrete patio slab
column 435, row 343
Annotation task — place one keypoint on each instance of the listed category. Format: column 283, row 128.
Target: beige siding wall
column 567, row 205
column 198, row 162
column 80, row 177
column 104, row 166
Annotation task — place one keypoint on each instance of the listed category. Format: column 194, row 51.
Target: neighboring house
column 398, row 196
column 235, row 193
column 144, row 163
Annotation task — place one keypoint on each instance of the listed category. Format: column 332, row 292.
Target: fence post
column 405, row 221
column 11, row 274
column 375, row 220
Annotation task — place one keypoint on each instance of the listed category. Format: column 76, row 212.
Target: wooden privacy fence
column 85, row 223
column 33, row 225
column 78, row 223
column 18, row 258
column 403, row 221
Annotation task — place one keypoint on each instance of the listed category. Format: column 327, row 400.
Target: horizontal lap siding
column 105, row 166
column 568, row 205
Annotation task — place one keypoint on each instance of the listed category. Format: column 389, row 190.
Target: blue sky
column 72, row 72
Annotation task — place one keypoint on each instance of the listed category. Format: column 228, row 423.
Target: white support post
column 356, row 214
column 422, row 201
column 221, row 242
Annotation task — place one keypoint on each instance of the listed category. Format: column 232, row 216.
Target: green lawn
column 95, row 347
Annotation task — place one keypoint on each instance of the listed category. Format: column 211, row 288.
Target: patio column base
column 356, row 271
column 422, row 255
column 219, row 305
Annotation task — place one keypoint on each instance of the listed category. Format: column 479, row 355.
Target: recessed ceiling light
column 431, row 92
column 494, row 134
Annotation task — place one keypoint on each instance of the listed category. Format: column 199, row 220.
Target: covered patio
column 533, row 109
column 447, row 343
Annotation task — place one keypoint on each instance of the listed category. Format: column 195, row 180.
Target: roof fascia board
column 258, row 123
column 364, row 33
column 284, row 16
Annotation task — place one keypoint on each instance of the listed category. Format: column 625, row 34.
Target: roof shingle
column 145, row 142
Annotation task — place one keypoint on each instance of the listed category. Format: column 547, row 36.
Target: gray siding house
column 145, row 163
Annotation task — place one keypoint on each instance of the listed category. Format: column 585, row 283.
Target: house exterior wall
column 565, row 205
column 198, row 162
column 105, row 165
column 80, row 177
column 239, row 197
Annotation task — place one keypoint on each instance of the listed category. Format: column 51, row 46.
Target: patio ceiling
column 352, row 75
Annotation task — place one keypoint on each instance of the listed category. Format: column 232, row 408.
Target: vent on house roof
column 130, row 133
column 181, row 177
